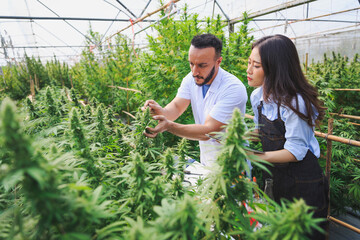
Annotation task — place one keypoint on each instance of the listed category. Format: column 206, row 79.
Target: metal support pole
column 307, row 10
column 144, row 8
column 227, row 18
column 126, row 8
column 127, row 98
column 213, row 10
column 231, row 27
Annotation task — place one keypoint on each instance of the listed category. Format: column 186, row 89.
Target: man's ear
column 218, row 61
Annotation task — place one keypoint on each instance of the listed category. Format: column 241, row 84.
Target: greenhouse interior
column 179, row 119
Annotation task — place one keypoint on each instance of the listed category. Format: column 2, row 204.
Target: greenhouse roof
column 44, row 28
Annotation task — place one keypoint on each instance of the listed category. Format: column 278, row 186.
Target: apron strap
column 259, row 107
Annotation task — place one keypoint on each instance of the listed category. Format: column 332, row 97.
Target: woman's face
column 255, row 72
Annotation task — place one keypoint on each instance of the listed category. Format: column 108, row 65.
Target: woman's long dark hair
column 284, row 78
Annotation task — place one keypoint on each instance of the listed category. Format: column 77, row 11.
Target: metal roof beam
column 144, row 17
column 314, row 19
column 276, row 8
column 70, row 18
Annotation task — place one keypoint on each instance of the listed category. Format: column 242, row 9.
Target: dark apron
column 302, row 179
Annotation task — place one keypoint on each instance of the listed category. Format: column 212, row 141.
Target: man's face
column 203, row 64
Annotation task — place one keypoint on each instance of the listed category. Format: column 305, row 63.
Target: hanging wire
column 121, row 11
column 259, row 28
column 177, row 11
column 67, row 22
column 328, row 32
column 117, row 8
column 49, row 44
column 205, row 4
column 276, row 15
column 56, row 37
column 288, row 24
column 110, row 26
column 31, row 25
column 60, row 46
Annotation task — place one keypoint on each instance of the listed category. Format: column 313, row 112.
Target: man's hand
column 163, row 125
column 155, row 108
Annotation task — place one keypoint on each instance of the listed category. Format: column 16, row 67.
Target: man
column 212, row 92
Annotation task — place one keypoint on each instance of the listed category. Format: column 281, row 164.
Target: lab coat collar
column 217, row 80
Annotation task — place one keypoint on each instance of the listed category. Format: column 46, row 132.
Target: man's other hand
column 163, row 125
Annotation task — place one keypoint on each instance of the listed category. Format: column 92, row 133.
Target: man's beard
column 207, row 79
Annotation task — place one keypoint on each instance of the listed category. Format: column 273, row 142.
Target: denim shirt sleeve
column 298, row 134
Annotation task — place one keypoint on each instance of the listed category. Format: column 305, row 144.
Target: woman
column 286, row 108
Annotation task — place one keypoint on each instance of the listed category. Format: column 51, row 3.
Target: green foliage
column 288, row 221
column 337, row 72
column 17, row 78
column 161, row 69
column 101, row 131
column 58, row 73
column 32, row 110
column 178, row 219
column 138, row 141
column 52, row 110
column 228, row 186
column 332, row 73
column 81, row 144
column 58, row 184
column 77, row 172
column 54, row 209
column 115, row 67
column 74, row 97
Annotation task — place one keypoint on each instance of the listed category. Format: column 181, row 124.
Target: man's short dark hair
column 207, row 40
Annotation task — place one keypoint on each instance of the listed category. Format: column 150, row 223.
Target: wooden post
column 62, row 81
column 328, row 164
column 345, row 116
column 329, row 148
column 338, row 139
column 37, row 84
column 71, row 82
column 346, row 89
column 344, row 224
column 127, row 98
column 231, row 28
column 113, row 95
column 32, row 88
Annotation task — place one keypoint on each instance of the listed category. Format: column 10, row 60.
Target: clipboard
column 213, row 137
column 254, row 151
column 246, row 148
